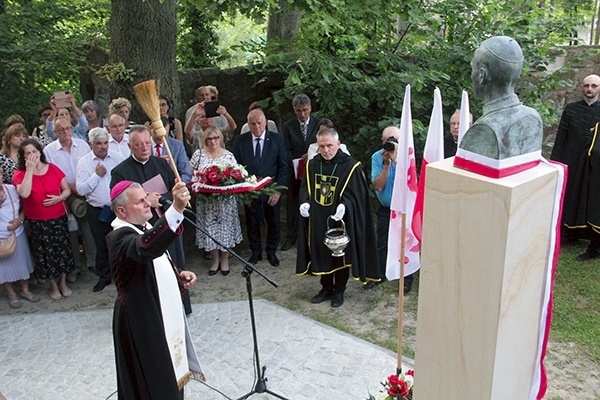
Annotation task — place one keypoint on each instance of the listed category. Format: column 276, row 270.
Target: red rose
column 227, row 172
column 236, row 174
column 401, row 389
column 410, row 372
column 398, row 387
column 213, row 177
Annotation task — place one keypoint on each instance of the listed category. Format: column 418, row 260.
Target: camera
column 389, row 144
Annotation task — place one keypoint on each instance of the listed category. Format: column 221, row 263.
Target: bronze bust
column 507, row 128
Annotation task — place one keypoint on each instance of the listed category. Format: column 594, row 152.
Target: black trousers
column 335, row 282
column 99, row 231
column 292, row 205
column 256, row 211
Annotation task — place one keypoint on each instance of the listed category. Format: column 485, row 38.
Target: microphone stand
column 260, row 386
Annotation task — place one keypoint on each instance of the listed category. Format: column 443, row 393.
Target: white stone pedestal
column 483, row 269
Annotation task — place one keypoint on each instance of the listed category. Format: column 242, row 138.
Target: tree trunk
column 283, row 22
column 144, row 37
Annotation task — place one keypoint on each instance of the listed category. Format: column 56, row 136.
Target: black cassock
column 144, row 366
column 325, row 185
column 132, row 170
column 572, row 145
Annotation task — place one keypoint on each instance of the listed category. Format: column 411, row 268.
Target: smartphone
column 210, row 107
column 62, row 99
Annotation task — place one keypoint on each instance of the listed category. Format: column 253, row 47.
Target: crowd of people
column 57, row 180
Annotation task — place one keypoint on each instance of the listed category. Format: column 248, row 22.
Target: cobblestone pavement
column 69, row 355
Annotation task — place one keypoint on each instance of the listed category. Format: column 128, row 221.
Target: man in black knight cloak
column 334, row 189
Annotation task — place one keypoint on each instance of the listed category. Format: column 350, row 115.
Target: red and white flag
column 403, row 200
column 465, row 116
column 434, row 151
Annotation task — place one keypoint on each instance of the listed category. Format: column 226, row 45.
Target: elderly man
column 194, row 127
column 451, row 140
column 334, row 188
column 66, row 152
column 263, row 154
column 79, row 130
column 507, row 128
column 118, row 140
column 224, row 121
column 154, row 353
column 156, row 175
column 93, row 182
column 572, row 147
column 299, row 133
column 383, row 172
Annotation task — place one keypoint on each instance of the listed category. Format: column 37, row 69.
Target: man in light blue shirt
column 383, row 172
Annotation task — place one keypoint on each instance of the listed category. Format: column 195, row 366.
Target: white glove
column 339, row 212
column 304, row 210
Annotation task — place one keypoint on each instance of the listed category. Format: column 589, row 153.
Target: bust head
column 496, row 67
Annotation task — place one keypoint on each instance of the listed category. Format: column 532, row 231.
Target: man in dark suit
column 263, row 154
column 298, row 133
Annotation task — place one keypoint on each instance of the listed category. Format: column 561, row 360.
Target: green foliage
column 354, row 58
column 42, row 49
column 115, row 72
column 197, row 46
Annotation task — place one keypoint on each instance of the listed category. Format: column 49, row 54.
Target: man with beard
column 334, row 188
column 571, row 147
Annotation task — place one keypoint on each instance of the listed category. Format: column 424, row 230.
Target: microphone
column 164, row 201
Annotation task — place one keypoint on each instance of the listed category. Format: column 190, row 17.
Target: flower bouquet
column 396, row 387
column 216, row 181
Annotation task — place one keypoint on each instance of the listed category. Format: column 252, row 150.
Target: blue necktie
column 257, row 151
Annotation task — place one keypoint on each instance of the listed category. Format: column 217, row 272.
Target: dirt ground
column 369, row 314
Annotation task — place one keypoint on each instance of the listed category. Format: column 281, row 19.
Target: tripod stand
column 260, row 386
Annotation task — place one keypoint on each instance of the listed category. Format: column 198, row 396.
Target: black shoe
column 100, row 286
column 225, row 273
column 369, row 285
column 588, row 255
column 256, row 257
column 273, row 260
column 337, row 300
column 321, row 296
column 407, row 288
column 288, row 244
column 213, row 272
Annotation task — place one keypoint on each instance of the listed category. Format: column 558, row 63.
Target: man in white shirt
column 65, row 153
column 93, row 182
column 118, row 140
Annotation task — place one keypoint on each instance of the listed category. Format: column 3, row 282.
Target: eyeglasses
column 63, row 130
column 163, row 105
column 211, row 139
column 142, row 145
column 588, row 85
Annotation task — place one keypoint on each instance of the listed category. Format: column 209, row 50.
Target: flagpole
column 401, row 294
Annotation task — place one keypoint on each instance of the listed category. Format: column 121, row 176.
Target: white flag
column 465, row 116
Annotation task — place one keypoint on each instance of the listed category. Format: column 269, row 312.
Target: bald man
column 571, row 146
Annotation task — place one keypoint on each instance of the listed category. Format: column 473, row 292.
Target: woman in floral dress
column 220, row 217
